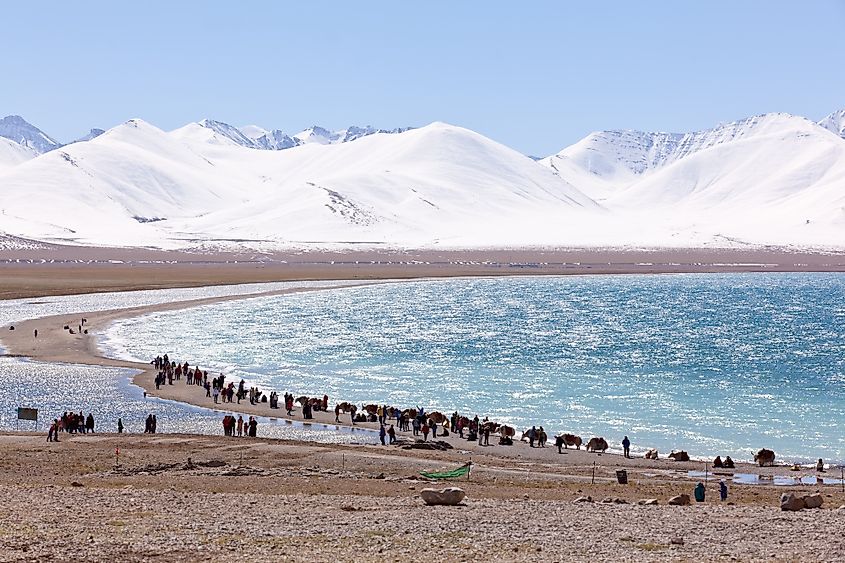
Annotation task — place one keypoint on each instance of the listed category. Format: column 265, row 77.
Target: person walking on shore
column 253, row 427
column 240, row 426
column 425, row 432
column 723, row 490
column 626, row 447
column 381, row 434
column 120, row 426
column 391, row 433
column 532, row 435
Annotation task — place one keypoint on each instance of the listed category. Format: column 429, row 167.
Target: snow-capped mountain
column 17, row 129
column 835, row 123
column 136, row 184
column 770, row 179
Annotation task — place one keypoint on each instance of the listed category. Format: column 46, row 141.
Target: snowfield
column 774, row 179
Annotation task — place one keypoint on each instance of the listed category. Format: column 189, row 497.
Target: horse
column 370, row 409
column 679, row 456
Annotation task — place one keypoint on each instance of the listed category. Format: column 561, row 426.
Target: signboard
column 27, row 414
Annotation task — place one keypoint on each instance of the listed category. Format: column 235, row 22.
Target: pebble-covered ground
column 266, row 500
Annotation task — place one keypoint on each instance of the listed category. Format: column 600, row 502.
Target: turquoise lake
column 711, row 363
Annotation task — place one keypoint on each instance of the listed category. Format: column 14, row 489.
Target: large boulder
column 680, row 500
column 449, row 496
column 788, row 501
column 813, row 501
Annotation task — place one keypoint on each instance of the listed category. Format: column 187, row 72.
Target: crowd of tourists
column 72, row 423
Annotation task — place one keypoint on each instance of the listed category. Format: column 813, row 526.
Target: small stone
column 648, row 502
column 76, row 484
column 583, row 499
column 678, row 540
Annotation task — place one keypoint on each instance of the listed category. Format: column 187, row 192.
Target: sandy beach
column 520, row 499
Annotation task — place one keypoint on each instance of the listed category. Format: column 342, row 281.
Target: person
column 718, row 462
column 154, row 424
column 699, row 492
column 240, row 426
column 35, row 333
column 416, row 426
column 542, row 438
column 487, row 435
column 120, row 426
column 723, row 490
column 392, row 434
column 381, row 434
column 532, row 435
column 728, row 463
column 559, row 443
column 820, row 466
column 425, row 432
column 52, row 431
column 433, row 426
column 253, row 427
column 626, row 446
column 89, row 423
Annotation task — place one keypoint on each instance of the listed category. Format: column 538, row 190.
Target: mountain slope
column 12, row 154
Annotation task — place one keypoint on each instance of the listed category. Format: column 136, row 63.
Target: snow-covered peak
column 322, row 136
column 318, row 135
column 92, row 134
column 228, row 131
column 17, row 129
column 835, row 123
column 275, row 140
column 617, row 154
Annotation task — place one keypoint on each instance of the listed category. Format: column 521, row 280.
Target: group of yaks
column 506, row 434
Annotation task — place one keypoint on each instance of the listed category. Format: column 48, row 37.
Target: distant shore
column 60, row 270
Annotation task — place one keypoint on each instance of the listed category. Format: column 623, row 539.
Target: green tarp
column 455, row 473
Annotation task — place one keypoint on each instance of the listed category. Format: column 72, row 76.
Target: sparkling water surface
column 108, row 393
column 711, row 363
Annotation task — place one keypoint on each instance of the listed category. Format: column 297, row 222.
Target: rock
column 680, row 500
column 842, row 507
column 76, row 484
column 449, row 496
column 813, row 501
column 788, row 501
column 648, row 502
column 583, row 499
column 348, row 508
column 677, row 541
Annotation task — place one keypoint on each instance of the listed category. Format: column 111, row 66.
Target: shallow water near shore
column 108, row 393
column 717, row 364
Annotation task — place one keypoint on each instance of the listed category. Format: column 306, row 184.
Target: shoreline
column 54, row 344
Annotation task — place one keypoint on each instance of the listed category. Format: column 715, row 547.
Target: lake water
column 108, row 393
column 714, row 364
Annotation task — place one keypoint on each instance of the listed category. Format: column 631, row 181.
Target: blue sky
column 536, row 76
